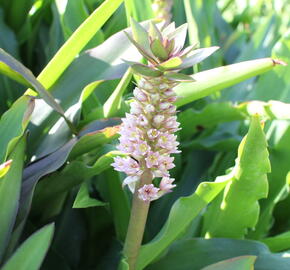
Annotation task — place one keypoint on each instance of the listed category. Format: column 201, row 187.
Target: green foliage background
column 61, row 204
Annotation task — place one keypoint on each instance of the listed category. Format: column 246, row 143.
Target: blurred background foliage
column 67, row 179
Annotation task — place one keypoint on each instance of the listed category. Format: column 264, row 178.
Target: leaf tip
column 279, row 62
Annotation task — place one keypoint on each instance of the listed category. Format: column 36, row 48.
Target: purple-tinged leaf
column 9, row 194
column 179, row 77
column 179, row 36
column 197, row 56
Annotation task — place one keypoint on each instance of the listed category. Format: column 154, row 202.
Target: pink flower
column 152, row 134
column 140, row 95
column 166, row 184
column 168, row 142
column 127, row 165
column 152, row 159
column 165, row 163
column 141, row 148
column 126, row 145
column 148, row 193
column 136, row 108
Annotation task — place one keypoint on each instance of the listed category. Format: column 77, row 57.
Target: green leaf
column 178, row 77
column 83, row 199
column 211, row 115
column 278, row 242
column 72, row 14
column 101, row 63
column 16, row 71
column 33, row 172
column 197, row 56
column 220, row 78
column 113, row 103
column 76, row 43
column 30, row 255
column 145, row 70
column 119, row 204
column 172, row 63
column 184, row 210
column 10, row 186
column 13, row 123
column 158, row 50
column 197, row 253
column 95, row 134
column 140, row 35
column 72, row 175
column 237, row 263
column 237, row 209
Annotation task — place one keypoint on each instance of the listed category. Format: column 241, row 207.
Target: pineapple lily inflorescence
column 147, row 132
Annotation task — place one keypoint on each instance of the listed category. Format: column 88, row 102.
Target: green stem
column 137, row 223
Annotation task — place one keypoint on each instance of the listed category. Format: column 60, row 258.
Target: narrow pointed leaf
column 145, row 70
column 179, row 77
column 237, row 210
column 140, row 35
column 15, row 70
column 197, row 56
column 13, row 123
column 83, row 199
column 10, row 186
column 30, row 255
column 172, row 63
column 179, row 36
column 221, row 78
column 158, row 50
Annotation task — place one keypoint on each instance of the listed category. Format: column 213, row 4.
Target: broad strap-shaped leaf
column 31, row 176
column 12, row 68
column 30, row 255
column 182, row 213
column 210, row 81
column 215, row 113
column 75, row 173
column 10, row 186
column 197, row 253
column 13, row 123
column 237, row 263
column 73, row 46
column 237, row 209
column 95, row 134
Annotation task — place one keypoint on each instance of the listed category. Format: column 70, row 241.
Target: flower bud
column 158, row 119
column 135, row 108
column 164, row 105
column 149, row 108
column 140, row 95
column 169, row 93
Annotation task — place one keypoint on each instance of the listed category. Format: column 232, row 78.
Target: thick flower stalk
column 147, row 132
